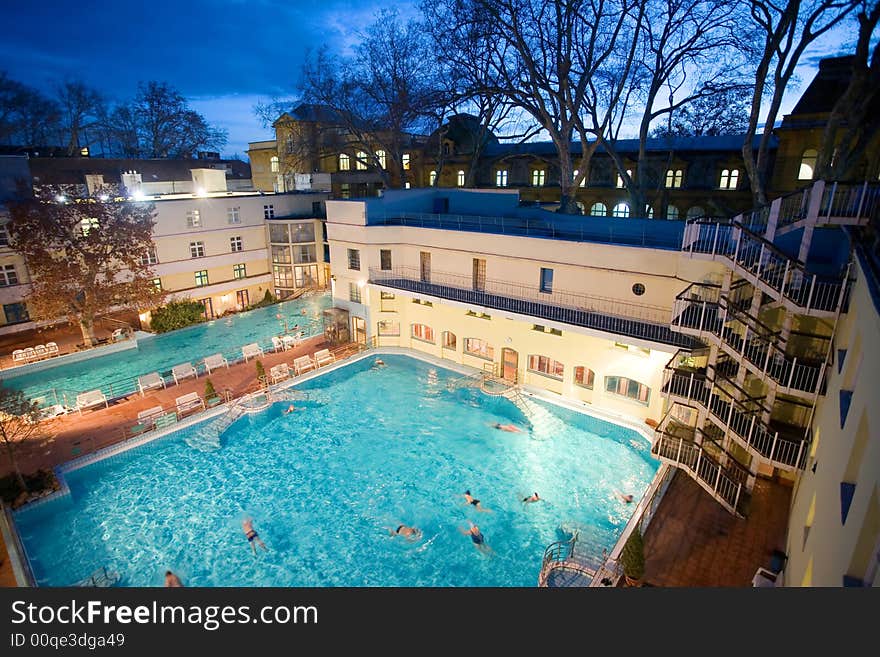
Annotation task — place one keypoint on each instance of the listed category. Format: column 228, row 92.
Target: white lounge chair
column 40, row 351
column 189, row 402
column 303, row 364
column 215, row 361
column 90, row 399
column 323, row 356
column 30, row 354
column 152, row 381
column 183, row 371
column 18, row 356
column 291, row 341
column 52, row 348
column 148, row 417
column 251, row 350
column 279, row 372
column 278, row 344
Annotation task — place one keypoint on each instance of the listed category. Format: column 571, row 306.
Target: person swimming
column 507, row 427
column 477, row 537
column 251, row 535
column 378, row 363
column 290, row 409
column 624, row 498
column 172, row 580
column 532, row 498
column 470, row 499
column 406, row 531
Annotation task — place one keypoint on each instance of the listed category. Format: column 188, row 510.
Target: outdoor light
column 201, row 192
column 139, row 196
column 362, row 283
column 104, row 197
column 61, row 198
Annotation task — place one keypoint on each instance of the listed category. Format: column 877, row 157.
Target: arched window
column 479, row 348
column 599, row 210
column 672, row 212
column 695, row 212
column 729, row 178
column 383, row 160
column 448, row 338
column 274, row 164
column 649, row 212
column 674, row 178
column 423, row 332
column 618, row 385
column 546, row 366
column 501, row 178
column 584, row 376
column 538, row 177
column 432, row 178
column 344, row 162
column 583, row 182
column 808, row 164
column 360, row 161
column 460, row 178
column 620, row 182
column 621, row 210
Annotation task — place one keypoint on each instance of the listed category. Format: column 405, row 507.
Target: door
column 479, row 277
column 425, row 258
column 509, row 364
column 360, row 330
column 242, row 299
column 209, row 307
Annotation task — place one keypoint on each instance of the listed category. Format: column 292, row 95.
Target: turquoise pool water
column 369, row 450
column 160, row 353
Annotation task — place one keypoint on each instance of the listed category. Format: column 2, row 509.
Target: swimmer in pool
column 251, row 535
column 477, row 537
column 411, row 533
column 624, row 498
column 532, row 498
column 470, row 499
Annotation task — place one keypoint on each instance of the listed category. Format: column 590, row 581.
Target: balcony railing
column 617, row 317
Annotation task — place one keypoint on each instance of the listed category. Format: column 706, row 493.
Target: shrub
column 177, row 314
column 261, row 371
column 209, row 389
column 633, row 556
column 267, row 300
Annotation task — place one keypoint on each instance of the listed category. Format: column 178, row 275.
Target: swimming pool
column 370, row 449
column 160, row 353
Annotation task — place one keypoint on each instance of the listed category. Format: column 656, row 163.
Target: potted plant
column 261, row 373
column 211, row 396
column 632, row 558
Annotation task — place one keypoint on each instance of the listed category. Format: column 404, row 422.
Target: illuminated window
column 423, row 332
column 546, row 366
column 354, row 292
column 239, row 271
column 628, row 388
column 621, row 210
column 620, row 182
column 460, row 178
column 729, row 178
column 584, row 376
column 193, row 219
column 157, row 284
column 405, row 159
column 672, row 212
column 380, row 155
column 649, row 212
column 274, row 165
column 501, row 178
column 808, row 164
column 360, row 161
column 674, row 178
column 233, row 215
column 538, row 177
column 583, row 182
column 599, row 210
column 8, row 276
column 202, row 278
column 479, row 348
column 389, row 327
column 149, row 257
column 432, row 178
column 344, row 162
column 448, row 338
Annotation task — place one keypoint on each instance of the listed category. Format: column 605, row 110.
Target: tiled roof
column 72, row 170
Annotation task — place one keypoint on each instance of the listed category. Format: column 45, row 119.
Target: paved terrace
column 692, row 541
column 73, row 435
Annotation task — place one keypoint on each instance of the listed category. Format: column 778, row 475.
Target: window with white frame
column 202, row 278
column 196, row 249
column 618, row 385
column 8, row 276
column 149, row 257
column 479, row 348
column 460, row 178
column 239, row 270
column 729, row 178
column 4, row 236
column 546, row 282
column 423, row 332
column 382, row 158
column 157, row 284
column 233, row 215
column 620, row 181
column 268, row 211
column 360, row 161
column 344, row 162
column 274, row 164
column 674, row 177
column 599, row 210
column 432, row 178
column 584, row 377
column 235, row 243
column 538, row 177
column 501, row 178
column 448, row 340
column 546, row 366
column 388, row 327
column 582, row 183
column 193, row 219
column 671, row 212
column 405, row 160
column 621, row 210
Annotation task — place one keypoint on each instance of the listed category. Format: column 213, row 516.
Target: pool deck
column 692, row 541
column 73, row 434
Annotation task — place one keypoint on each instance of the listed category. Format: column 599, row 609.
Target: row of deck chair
column 39, row 352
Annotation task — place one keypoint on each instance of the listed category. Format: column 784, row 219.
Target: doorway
column 360, row 330
column 209, row 308
column 425, row 260
column 509, row 364
column 242, row 299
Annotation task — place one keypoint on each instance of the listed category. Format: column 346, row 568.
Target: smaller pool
column 116, row 374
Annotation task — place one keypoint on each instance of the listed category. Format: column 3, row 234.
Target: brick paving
column 692, row 541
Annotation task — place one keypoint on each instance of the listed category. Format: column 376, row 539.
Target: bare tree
column 19, row 421
column 86, row 257
column 781, row 34
column 81, row 108
column 722, row 113
column 855, row 117
column 378, row 97
column 27, row 117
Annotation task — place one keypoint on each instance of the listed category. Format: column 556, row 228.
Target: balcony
column 609, row 315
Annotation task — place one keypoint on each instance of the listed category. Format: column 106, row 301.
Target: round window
column 638, row 289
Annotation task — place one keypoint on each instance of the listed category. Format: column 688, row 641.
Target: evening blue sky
column 224, row 55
